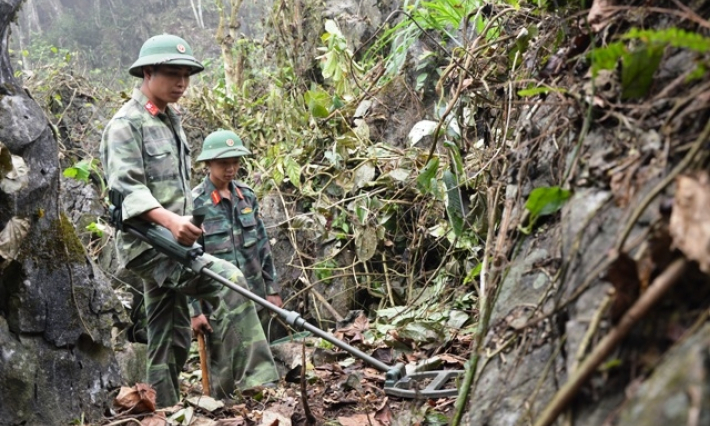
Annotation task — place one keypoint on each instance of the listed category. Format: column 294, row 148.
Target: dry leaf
column 157, row 419
column 690, row 220
column 658, row 255
column 12, row 237
column 206, row 403
column 384, row 414
column 600, row 13
column 623, row 275
column 230, row 422
column 138, row 399
column 272, row 418
column 359, row 420
column 353, row 330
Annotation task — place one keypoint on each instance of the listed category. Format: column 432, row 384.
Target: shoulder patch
column 151, row 108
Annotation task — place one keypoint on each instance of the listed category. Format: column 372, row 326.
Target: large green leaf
column 318, row 103
column 638, row 69
column 293, row 171
column 81, row 170
column 544, row 201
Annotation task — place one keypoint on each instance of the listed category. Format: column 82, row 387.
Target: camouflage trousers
column 227, row 356
column 241, row 354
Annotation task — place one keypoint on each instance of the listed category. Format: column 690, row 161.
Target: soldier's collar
column 143, row 100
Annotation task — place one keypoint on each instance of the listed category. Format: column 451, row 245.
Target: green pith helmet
column 222, row 144
column 165, row 49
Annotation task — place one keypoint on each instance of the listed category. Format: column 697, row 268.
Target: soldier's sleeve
column 268, row 270
column 123, row 161
column 195, row 307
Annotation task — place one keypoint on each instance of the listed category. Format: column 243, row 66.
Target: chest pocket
column 217, row 237
column 160, row 160
column 247, row 219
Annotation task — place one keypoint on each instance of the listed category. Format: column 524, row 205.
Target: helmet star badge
column 229, row 142
column 180, row 48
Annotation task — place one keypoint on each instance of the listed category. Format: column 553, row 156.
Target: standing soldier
column 146, row 159
column 235, row 232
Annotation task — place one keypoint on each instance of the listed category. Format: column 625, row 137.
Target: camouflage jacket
column 235, row 232
column 146, row 158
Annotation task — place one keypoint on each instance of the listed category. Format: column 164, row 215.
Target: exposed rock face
column 679, row 390
column 56, row 308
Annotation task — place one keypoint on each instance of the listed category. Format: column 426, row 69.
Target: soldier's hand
column 200, row 324
column 184, row 231
column 275, row 299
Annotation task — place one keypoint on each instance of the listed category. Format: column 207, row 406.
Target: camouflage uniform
column 235, row 233
column 147, row 159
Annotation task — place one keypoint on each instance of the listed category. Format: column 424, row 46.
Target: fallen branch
column 642, row 306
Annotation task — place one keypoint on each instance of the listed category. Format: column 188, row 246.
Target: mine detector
column 416, row 385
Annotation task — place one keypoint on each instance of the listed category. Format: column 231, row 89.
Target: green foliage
column 97, row 229
column 324, row 269
column 426, row 182
column 641, row 59
column 82, row 169
column 534, row 91
column 675, row 37
column 337, row 61
column 544, row 201
column 320, row 103
column 637, row 73
column 423, row 321
column 442, row 16
column 454, row 208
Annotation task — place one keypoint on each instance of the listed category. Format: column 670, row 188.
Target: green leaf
column 293, row 171
column 534, row 91
column 546, row 200
column 428, row 175
column 318, row 102
column 454, row 208
column 421, row 79
column 671, row 36
column 606, row 58
column 435, row 418
column 697, row 74
column 80, row 171
column 638, row 69
column 278, row 174
column 96, row 229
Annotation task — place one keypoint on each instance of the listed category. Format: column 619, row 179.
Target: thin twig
column 122, row 421
column 484, row 309
column 460, row 86
column 591, row 331
column 315, row 293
